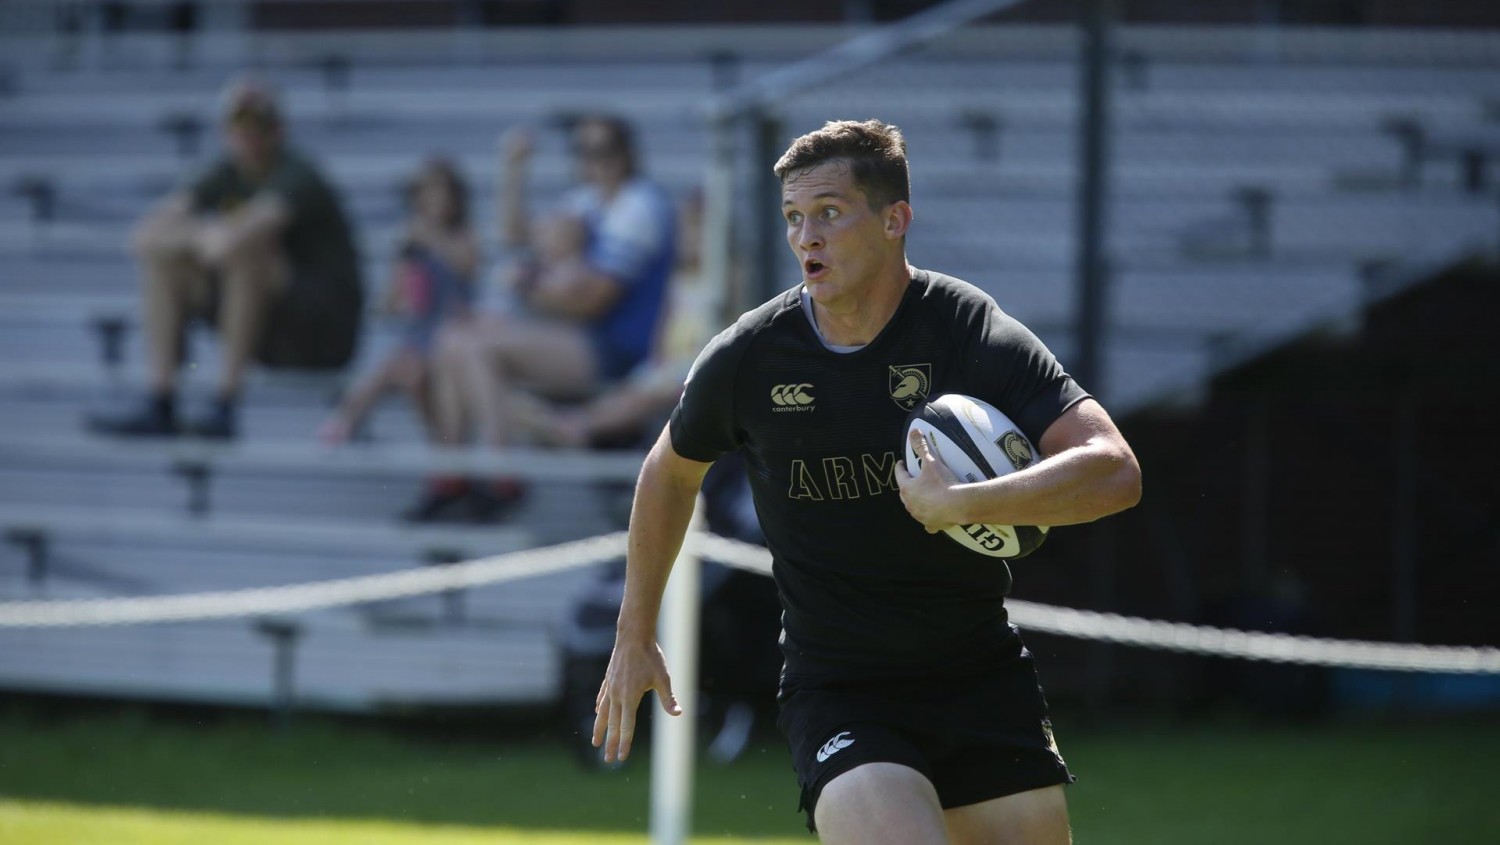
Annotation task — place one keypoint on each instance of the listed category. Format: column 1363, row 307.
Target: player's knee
column 1035, row 817
column 880, row 802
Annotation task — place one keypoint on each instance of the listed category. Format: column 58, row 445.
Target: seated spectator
column 432, row 281
column 258, row 246
column 559, row 240
column 584, row 321
column 624, row 413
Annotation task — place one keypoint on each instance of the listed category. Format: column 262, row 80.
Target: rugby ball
column 977, row 442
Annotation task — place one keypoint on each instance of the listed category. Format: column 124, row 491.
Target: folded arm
column 1087, row 472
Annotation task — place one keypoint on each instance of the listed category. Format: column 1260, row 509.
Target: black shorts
column 314, row 324
column 975, row 738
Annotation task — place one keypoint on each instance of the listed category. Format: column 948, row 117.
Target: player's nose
column 808, row 237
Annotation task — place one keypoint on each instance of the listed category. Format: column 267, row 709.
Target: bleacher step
column 271, row 534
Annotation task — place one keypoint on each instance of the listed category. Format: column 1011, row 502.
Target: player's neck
column 858, row 321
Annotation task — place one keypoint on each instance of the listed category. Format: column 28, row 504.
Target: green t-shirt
column 318, row 241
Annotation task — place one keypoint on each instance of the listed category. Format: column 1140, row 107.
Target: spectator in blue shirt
column 583, row 319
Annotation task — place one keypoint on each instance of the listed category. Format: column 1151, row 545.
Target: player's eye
column 830, row 212
column 794, row 217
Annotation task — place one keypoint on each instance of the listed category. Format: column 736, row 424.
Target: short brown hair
column 874, row 150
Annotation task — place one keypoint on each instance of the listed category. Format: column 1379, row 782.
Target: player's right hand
column 634, row 668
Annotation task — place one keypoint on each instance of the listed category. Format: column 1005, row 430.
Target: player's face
column 841, row 243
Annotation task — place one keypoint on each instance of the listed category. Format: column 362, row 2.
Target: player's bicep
column 703, row 426
column 670, row 471
column 1084, row 423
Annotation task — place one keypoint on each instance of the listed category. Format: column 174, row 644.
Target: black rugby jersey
column 866, row 592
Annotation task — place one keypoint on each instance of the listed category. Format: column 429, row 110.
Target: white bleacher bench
column 368, row 460
column 1471, row 150
column 264, row 533
column 36, row 528
column 36, row 307
column 111, row 316
column 197, row 460
column 322, row 659
column 326, row 663
column 147, row 174
column 89, row 378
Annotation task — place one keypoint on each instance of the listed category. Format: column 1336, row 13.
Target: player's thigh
column 880, row 802
column 1034, row 817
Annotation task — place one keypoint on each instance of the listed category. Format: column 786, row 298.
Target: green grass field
column 130, row 777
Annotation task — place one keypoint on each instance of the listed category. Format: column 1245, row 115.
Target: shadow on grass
column 1374, row 782
column 515, row 772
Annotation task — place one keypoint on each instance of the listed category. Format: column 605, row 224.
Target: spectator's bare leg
column 253, row 275
column 535, row 418
column 406, row 371
column 424, row 396
column 474, row 386
column 450, row 408
column 628, row 409
column 172, row 287
column 501, row 356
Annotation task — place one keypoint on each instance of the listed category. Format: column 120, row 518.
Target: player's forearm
column 1074, row 486
column 659, row 519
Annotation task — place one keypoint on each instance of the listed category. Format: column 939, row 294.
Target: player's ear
column 898, row 217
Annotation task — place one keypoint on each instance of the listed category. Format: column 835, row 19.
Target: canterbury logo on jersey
column 834, row 746
column 792, row 397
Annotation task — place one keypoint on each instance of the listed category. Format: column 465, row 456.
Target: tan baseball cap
column 250, row 101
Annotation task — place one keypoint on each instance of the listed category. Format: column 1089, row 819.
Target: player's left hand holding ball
column 929, row 494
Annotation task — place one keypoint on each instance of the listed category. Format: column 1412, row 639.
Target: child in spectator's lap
column 432, row 281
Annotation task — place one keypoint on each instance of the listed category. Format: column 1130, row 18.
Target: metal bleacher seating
column 1249, row 200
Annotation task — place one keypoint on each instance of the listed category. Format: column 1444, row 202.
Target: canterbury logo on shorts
column 834, row 746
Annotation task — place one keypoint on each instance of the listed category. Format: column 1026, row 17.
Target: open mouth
column 813, row 268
